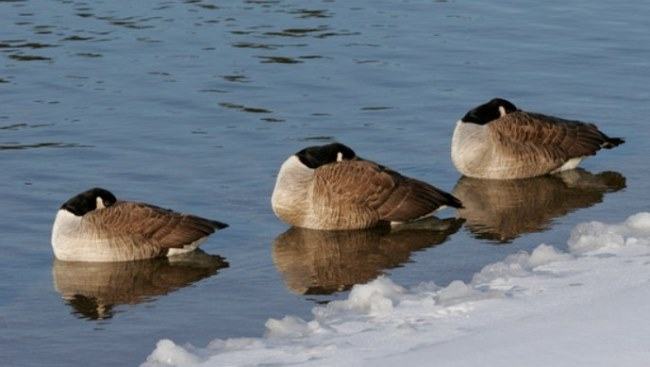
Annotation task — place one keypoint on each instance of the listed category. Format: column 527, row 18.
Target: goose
column 328, row 187
column 496, row 140
column 95, row 226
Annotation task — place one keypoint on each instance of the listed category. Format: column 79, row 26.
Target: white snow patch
column 546, row 308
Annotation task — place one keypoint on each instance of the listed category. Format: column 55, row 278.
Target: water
column 193, row 105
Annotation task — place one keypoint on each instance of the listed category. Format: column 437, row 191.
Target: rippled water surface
column 194, row 104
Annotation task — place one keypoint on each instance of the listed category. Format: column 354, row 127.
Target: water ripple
column 23, row 125
column 21, row 57
column 278, row 60
column 17, row 146
column 307, row 13
column 236, row 78
column 272, row 119
column 255, row 45
column 88, row 54
column 32, row 45
column 244, row 108
column 296, row 32
column 77, row 38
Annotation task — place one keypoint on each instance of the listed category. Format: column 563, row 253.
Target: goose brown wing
column 158, row 226
column 546, row 140
column 375, row 187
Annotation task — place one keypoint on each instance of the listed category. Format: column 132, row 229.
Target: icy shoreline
column 546, row 308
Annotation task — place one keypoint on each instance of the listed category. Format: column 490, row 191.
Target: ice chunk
column 513, row 266
column 593, row 236
column 375, row 298
column 169, row 354
column 289, row 326
column 640, row 222
column 545, row 254
column 456, row 290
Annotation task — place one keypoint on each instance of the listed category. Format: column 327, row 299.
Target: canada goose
column 498, row 141
column 325, row 262
column 329, row 187
column 93, row 290
column 95, row 226
column 503, row 210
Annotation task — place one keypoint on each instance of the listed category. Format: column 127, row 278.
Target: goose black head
column 88, row 201
column 316, row 156
column 489, row 111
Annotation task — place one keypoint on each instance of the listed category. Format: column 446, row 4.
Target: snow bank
column 587, row 306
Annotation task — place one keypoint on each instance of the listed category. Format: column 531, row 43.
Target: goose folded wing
column 158, row 226
column 545, row 139
column 394, row 197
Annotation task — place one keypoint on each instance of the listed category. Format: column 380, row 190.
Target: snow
column 587, row 306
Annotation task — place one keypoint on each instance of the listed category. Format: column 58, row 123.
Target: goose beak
column 219, row 225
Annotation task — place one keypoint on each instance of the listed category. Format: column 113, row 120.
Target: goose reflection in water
column 94, row 289
column 501, row 210
column 323, row 262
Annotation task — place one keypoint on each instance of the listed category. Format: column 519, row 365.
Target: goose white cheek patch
column 99, row 203
column 339, row 156
column 502, row 111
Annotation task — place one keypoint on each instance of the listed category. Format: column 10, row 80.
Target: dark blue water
column 193, row 105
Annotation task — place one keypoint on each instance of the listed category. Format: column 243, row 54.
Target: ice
column 595, row 236
column 170, row 354
column 456, row 290
column 639, row 222
column 376, row 298
column 545, row 254
column 289, row 327
column 546, row 308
